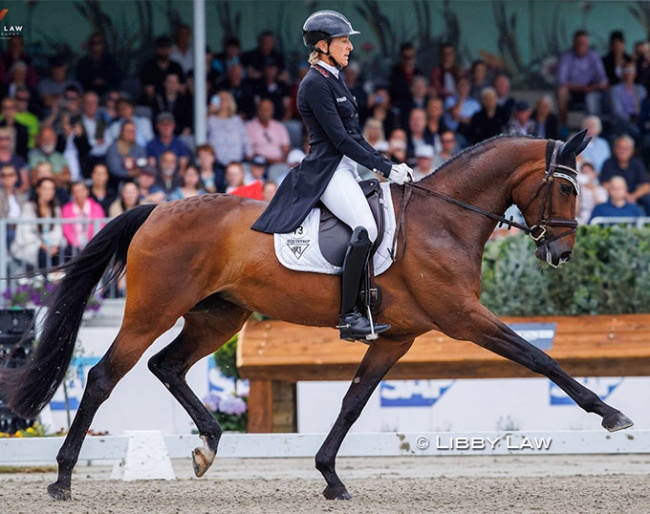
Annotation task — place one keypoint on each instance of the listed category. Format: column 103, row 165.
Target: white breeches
column 347, row 202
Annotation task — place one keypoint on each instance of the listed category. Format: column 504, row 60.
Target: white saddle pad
column 300, row 251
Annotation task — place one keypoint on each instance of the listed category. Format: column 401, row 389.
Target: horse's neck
column 481, row 179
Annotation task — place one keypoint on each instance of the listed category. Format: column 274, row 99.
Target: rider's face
column 340, row 48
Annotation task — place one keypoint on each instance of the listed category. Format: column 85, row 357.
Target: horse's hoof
column 201, row 461
column 59, row 493
column 617, row 421
column 337, row 493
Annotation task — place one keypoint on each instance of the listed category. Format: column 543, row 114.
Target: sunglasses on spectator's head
column 6, row 174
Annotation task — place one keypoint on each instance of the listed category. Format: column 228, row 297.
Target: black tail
column 27, row 389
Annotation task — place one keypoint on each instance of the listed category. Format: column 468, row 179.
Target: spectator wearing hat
column 256, row 170
column 51, row 89
column 268, row 137
column 98, row 70
column 424, row 155
column 521, row 123
column 255, row 60
column 149, row 188
column 490, row 121
column 154, row 71
column 171, row 99
column 616, row 59
column 226, row 132
column 166, row 141
column 125, row 112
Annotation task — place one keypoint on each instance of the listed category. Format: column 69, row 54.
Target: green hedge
column 609, row 274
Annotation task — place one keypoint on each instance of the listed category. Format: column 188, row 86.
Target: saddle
column 334, row 235
column 319, row 244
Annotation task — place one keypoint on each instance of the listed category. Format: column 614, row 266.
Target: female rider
column 328, row 173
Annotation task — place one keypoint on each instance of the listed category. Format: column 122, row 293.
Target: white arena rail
column 44, row 449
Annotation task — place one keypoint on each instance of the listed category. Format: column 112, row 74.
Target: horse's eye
column 566, row 189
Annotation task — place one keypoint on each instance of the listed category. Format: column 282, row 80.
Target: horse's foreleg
column 487, row 331
column 379, row 358
column 204, row 332
column 102, row 378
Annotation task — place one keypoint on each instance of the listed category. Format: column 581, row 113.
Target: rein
column 537, row 232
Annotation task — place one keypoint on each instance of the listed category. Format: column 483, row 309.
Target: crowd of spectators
column 77, row 143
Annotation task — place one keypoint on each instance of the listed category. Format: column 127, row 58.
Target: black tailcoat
column 330, row 112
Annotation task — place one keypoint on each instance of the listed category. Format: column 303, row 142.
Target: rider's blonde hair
column 314, row 57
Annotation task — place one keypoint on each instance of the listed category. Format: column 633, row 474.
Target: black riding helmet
column 325, row 25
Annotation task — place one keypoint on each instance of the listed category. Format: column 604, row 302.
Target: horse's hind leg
column 379, row 358
column 204, row 332
column 486, row 330
column 126, row 350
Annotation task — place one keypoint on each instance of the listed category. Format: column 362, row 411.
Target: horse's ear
column 575, row 141
column 583, row 145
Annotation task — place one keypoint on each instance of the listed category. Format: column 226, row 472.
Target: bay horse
column 198, row 259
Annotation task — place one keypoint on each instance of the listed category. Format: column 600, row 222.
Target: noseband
column 538, row 231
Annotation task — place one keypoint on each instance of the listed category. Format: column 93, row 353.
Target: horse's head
column 548, row 203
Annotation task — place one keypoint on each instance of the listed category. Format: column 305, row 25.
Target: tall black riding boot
column 352, row 323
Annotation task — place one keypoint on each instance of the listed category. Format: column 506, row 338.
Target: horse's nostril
column 566, row 256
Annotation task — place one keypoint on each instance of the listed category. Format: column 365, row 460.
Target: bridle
column 537, row 232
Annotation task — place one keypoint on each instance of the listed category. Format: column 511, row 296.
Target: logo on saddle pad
column 299, row 242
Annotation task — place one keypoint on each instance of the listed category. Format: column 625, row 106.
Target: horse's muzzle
column 552, row 255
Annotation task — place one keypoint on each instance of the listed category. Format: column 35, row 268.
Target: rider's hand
column 401, row 173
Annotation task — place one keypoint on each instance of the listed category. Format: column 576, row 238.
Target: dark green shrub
column 609, row 274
